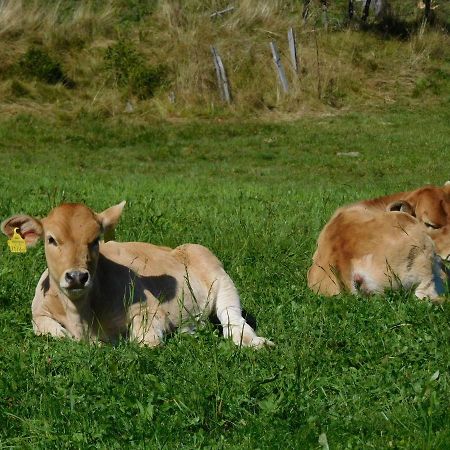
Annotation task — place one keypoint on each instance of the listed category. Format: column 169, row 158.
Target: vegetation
column 37, row 63
column 128, row 69
column 368, row 115
column 369, row 373
column 167, row 69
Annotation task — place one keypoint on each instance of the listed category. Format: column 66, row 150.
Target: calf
column 431, row 206
column 96, row 290
column 362, row 250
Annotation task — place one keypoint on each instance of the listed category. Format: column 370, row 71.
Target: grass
column 156, row 56
column 369, row 373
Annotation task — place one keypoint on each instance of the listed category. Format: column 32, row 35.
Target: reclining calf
column 363, row 250
column 95, row 290
column 429, row 204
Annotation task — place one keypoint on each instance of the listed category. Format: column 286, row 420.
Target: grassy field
column 367, row 373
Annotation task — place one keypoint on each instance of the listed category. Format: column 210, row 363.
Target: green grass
column 363, row 371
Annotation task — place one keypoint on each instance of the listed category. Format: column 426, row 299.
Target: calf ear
column 29, row 228
column 401, row 206
column 109, row 218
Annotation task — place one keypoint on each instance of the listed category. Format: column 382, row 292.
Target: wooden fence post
column 222, row 79
column 324, row 4
column 366, row 10
column 351, row 9
column 279, row 66
column 293, row 49
column 305, row 11
column 427, row 9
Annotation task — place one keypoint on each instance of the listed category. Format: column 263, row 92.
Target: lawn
column 365, row 372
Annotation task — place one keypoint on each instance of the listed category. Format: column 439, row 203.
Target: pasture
column 365, row 372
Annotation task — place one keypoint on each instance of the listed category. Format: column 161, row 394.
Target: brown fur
column 367, row 250
column 430, row 205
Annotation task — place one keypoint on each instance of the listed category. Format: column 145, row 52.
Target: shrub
column 145, row 82
column 135, row 10
column 37, row 63
column 128, row 69
column 435, row 83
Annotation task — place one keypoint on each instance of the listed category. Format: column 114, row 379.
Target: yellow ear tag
column 17, row 244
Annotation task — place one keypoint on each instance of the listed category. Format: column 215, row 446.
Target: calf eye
column 51, row 240
column 431, row 225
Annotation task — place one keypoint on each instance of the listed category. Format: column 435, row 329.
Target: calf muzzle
column 76, row 279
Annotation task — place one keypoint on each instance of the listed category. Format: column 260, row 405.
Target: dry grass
column 340, row 69
column 51, row 23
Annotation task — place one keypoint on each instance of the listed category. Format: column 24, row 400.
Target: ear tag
column 17, row 244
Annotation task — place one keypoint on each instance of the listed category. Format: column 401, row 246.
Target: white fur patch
column 362, row 280
column 367, row 286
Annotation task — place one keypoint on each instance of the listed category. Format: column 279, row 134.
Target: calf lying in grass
column 429, row 204
column 368, row 250
column 95, row 290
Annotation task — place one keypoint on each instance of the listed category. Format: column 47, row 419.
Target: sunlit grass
column 370, row 373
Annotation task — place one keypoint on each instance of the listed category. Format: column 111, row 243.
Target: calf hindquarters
column 367, row 251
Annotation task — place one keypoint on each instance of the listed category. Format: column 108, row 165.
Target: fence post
column 305, row 11
column 427, row 9
column 366, row 10
column 293, row 49
column 351, row 9
column 324, row 14
column 222, row 79
column 279, row 66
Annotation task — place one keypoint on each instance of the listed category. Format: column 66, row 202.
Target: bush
column 145, row 82
column 128, row 69
column 37, row 63
column 135, row 10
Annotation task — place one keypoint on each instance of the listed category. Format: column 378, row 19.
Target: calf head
column 71, row 234
column 431, row 206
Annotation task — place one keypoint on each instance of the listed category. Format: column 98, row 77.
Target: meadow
column 367, row 372
column 255, row 182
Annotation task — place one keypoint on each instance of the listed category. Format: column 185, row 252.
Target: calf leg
column 228, row 311
column 432, row 286
column 47, row 325
column 147, row 325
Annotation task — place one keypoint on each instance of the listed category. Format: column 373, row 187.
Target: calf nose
column 77, row 278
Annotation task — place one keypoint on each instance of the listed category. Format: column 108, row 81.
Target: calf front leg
column 48, row 325
column 147, row 326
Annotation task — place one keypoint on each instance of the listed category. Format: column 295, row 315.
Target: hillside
column 152, row 59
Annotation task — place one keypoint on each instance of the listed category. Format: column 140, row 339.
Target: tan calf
column 95, row 290
column 363, row 250
column 431, row 206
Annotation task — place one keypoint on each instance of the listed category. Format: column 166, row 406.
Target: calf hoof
column 259, row 342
